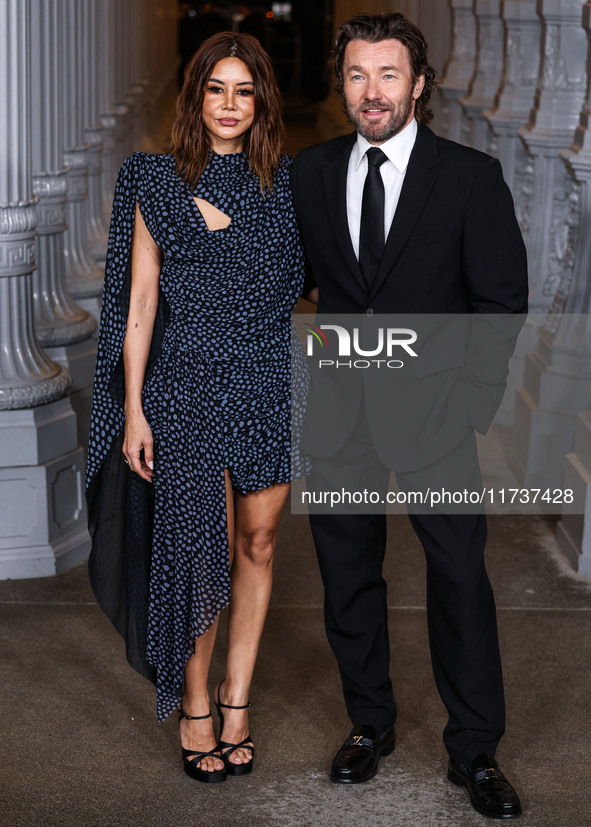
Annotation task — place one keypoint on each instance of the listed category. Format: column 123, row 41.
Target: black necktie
column 371, row 237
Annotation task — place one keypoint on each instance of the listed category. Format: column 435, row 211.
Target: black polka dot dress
column 219, row 393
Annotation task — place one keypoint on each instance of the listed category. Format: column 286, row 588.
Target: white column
column 434, row 20
column 27, row 375
column 43, row 526
column 58, row 319
column 549, row 202
column 85, row 277
column 574, row 333
column 93, row 130
column 557, row 376
column 487, row 74
column 106, row 104
column 121, row 109
column 516, row 98
column 458, row 70
column 433, row 17
column 137, row 88
column 64, row 327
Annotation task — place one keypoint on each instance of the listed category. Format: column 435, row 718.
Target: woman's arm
column 143, row 304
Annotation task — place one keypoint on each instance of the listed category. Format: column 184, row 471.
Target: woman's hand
column 138, row 436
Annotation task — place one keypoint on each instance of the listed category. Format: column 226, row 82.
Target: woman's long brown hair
column 190, row 144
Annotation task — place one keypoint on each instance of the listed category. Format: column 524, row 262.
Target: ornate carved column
column 518, row 87
column 549, row 204
column 85, row 277
column 516, row 98
column 434, row 19
column 43, row 520
column 573, row 333
column 487, row 74
column 58, row 319
column 458, row 69
column 546, row 195
column 93, row 130
column 137, row 87
column 557, row 376
column 27, row 376
column 63, row 327
column 105, row 32
column 121, row 110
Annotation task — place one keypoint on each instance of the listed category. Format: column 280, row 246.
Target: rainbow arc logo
column 318, row 334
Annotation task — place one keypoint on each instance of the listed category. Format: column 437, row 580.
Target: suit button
column 370, row 311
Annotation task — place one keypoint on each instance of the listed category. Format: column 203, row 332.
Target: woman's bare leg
column 199, row 735
column 256, row 522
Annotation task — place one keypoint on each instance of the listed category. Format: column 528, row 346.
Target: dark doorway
column 297, row 35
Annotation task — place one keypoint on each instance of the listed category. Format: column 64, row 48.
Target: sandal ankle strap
column 183, row 714
column 228, row 706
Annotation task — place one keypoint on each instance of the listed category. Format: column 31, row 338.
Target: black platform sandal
column 233, row 769
column 190, row 765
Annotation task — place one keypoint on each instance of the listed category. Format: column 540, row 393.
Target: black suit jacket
column 454, row 247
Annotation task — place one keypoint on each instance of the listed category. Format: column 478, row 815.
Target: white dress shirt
column 397, row 149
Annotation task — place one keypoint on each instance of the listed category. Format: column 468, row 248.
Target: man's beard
column 399, row 117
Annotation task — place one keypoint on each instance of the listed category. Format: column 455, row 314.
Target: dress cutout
column 218, row 394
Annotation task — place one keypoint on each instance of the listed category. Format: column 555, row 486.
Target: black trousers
column 460, row 604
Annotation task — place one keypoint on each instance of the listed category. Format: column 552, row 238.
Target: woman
column 193, row 386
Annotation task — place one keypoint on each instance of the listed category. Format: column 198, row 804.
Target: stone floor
column 81, row 744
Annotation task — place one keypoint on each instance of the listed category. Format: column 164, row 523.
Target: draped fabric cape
column 218, row 394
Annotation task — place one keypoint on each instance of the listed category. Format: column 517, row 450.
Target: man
column 397, row 220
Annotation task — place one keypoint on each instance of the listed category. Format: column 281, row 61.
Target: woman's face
column 228, row 105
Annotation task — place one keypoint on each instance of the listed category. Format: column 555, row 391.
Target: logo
column 388, row 343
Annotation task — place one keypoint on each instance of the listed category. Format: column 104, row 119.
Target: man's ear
column 419, row 86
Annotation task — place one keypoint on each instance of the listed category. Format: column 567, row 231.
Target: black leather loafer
column 490, row 792
column 357, row 760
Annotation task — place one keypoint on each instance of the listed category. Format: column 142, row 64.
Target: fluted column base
column 27, row 376
column 58, row 319
column 84, row 276
column 122, row 134
column 477, row 132
column 453, row 122
column 110, row 167
column 553, row 221
column 98, row 231
column 506, row 145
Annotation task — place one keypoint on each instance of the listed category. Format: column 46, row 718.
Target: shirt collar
column 397, row 148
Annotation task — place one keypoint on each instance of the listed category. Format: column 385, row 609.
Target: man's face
column 379, row 89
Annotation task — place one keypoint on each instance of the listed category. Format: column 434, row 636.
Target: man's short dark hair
column 385, row 26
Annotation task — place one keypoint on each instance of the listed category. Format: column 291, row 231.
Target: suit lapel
column 418, row 183
column 334, row 179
